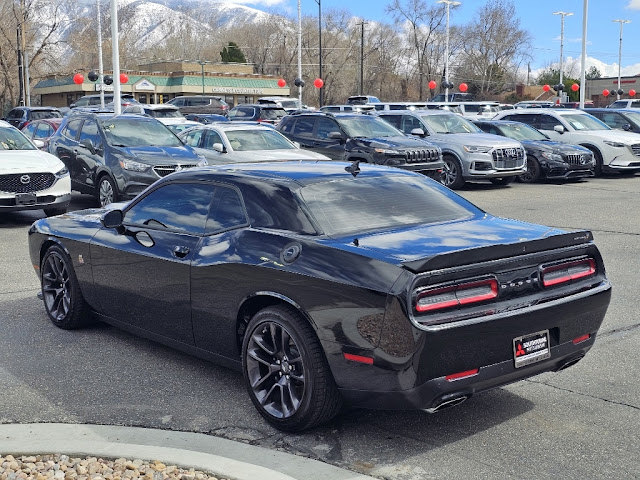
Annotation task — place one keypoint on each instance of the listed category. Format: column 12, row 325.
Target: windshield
column 357, row 205
column 633, row 116
column 521, row 132
column 243, row 140
column 138, row 132
column 12, row 139
column 449, row 123
column 272, row 113
column 164, row 113
column 367, row 127
column 585, row 121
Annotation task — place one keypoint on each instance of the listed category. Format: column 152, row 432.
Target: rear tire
column 286, row 372
column 61, row 292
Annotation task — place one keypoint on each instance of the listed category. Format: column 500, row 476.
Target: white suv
column 613, row 150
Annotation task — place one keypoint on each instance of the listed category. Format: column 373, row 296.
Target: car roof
column 302, row 172
column 228, row 126
column 4, row 123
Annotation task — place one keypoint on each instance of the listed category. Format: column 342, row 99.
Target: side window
column 71, row 130
column 324, row 127
column 395, row 120
column 614, row 120
column 525, row 118
column 90, row 132
column 211, row 138
column 15, row 114
column 29, row 130
column 304, row 127
column 286, row 126
column 227, row 211
column 181, row 207
column 193, row 138
column 179, row 102
column 43, row 130
column 409, row 123
column 547, row 122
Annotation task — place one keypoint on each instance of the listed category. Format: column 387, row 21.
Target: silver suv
column 468, row 153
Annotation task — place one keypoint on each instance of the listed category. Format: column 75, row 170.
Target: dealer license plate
column 531, row 348
column 26, row 199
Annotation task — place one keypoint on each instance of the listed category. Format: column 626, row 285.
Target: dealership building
column 162, row 81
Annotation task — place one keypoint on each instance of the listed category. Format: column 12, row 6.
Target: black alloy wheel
column 286, row 373
column 533, row 171
column 107, row 192
column 452, row 173
column 61, row 293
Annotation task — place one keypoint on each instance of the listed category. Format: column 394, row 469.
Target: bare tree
column 495, row 46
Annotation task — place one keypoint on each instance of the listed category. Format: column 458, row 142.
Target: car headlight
column 476, row 149
column 133, row 166
column 614, row 144
column 387, row 151
column 554, row 157
column 63, row 172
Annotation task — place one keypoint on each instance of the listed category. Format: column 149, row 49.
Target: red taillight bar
column 460, row 375
column 567, row 272
column 358, row 358
column 455, row 295
column 581, row 339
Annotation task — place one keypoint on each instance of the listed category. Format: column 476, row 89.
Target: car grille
column 636, row 149
column 421, row 156
column 508, row 157
column 579, row 159
column 25, row 183
column 164, row 170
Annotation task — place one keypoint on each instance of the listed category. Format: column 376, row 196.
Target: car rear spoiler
column 494, row 252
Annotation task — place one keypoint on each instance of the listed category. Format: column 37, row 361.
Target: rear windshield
column 360, row 204
column 40, row 114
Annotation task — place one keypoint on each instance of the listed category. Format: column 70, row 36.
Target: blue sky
column 536, row 16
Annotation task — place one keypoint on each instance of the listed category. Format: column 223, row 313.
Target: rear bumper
column 410, row 366
column 439, row 390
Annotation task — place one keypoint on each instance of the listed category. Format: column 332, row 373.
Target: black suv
column 115, row 157
column 353, row 136
column 19, row 117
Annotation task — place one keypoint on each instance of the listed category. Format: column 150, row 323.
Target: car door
column 143, row 270
column 65, row 147
column 323, row 140
column 89, row 153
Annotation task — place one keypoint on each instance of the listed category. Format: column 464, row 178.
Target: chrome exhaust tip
column 452, row 402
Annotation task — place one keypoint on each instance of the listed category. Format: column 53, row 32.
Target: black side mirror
column 88, row 144
column 112, row 219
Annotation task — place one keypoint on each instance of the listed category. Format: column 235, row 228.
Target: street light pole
column 449, row 4
column 621, row 22
column 583, row 59
column 562, row 15
column 100, row 65
column 201, row 62
column 362, row 24
column 117, row 106
column 320, row 90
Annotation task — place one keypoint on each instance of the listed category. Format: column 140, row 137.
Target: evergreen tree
column 232, row 54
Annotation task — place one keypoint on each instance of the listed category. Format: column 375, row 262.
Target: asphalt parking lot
column 583, row 422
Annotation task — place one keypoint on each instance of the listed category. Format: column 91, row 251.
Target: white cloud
column 634, row 5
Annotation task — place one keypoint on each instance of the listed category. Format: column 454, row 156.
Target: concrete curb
column 230, row 459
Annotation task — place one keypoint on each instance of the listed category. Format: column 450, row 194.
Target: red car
column 42, row 130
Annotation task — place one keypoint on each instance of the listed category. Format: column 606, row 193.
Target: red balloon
column 632, row 93
column 605, row 92
column 124, row 78
column 282, row 83
column 546, row 88
column 463, row 87
column 575, row 87
column 318, row 83
column 78, row 78
column 432, row 84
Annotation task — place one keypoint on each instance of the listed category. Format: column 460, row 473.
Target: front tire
column 286, row 372
column 107, row 192
column 533, row 171
column 61, row 292
column 452, row 173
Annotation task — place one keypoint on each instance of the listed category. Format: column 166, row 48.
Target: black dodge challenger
column 328, row 283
